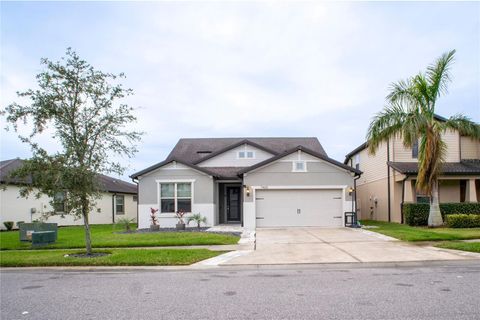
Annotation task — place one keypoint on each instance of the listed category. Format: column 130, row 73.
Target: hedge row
column 463, row 220
column 416, row 214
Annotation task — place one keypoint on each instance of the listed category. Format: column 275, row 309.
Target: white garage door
column 299, row 208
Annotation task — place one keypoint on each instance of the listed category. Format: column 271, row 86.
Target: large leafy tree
column 80, row 107
column 410, row 115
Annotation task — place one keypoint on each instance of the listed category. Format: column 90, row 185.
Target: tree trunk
column 435, row 216
column 88, row 241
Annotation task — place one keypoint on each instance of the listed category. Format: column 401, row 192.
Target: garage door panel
column 299, row 208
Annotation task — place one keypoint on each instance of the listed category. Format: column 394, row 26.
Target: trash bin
column 351, row 219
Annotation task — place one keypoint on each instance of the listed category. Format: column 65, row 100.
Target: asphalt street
column 443, row 290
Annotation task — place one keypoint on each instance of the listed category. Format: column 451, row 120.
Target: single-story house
column 255, row 182
column 118, row 200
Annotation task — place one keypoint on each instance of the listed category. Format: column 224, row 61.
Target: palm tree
column 410, row 115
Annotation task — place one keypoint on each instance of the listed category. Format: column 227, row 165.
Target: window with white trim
column 299, row 166
column 59, row 202
column 175, row 196
column 246, row 154
column 119, row 204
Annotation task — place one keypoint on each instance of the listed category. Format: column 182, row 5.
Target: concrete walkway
column 336, row 245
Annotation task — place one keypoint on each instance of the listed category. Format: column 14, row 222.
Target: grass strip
column 408, row 233
column 116, row 257
column 110, row 236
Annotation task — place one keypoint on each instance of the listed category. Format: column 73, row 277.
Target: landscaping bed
column 192, row 229
column 408, row 233
column 113, row 257
column 109, row 236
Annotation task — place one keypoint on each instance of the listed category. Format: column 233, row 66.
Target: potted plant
column 181, row 223
column 154, row 225
column 198, row 219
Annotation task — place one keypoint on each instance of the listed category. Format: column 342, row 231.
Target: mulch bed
column 192, row 229
column 84, row 255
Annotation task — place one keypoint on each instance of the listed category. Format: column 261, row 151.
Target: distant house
column 389, row 176
column 118, row 200
column 254, row 182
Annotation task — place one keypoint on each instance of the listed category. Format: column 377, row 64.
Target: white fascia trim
column 299, row 187
column 174, row 168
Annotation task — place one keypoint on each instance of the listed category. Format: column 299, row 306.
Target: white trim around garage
column 250, row 207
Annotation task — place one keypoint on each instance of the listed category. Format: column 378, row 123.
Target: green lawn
column 118, row 257
column 105, row 236
column 407, row 233
column 464, row 246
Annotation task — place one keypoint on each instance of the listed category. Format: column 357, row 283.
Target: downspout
column 388, row 181
column 134, row 180
column 403, row 198
column 355, row 196
column 113, row 207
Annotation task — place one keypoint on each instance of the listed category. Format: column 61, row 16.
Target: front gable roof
column 165, row 162
column 233, row 146
column 196, row 150
column 191, row 152
column 306, row 150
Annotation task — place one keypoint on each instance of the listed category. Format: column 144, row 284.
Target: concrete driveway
column 335, row 245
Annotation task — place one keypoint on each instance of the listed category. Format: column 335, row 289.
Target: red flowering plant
column 153, row 217
column 180, row 214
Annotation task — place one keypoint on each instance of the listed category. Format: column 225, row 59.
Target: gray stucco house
column 255, row 182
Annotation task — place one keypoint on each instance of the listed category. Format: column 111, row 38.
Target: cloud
column 250, row 69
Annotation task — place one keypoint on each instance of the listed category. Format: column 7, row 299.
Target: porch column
column 471, row 192
column 409, row 192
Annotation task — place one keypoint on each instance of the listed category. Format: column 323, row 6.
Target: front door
column 233, row 204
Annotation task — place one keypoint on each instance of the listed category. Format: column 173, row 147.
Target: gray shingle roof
column 187, row 150
column 110, row 184
column 191, row 152
column 311, row 152
column 465, row 167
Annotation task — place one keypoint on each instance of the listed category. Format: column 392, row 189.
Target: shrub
column 198, row 219
column 8, row 225
column 416, row 214
column 125, row 222
column 460, row 208
column 463, row 220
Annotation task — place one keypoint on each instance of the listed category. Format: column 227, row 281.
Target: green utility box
column 27, row 229
column 40, row 238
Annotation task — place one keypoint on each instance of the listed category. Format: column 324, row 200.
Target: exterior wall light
column 247, row 190
column 350, row 191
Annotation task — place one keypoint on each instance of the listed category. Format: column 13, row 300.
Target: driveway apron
column 334, row 245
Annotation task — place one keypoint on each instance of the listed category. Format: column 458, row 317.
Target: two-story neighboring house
column 389, row 176
column 257, row 182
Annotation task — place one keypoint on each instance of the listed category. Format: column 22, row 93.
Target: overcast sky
column 246, row 69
